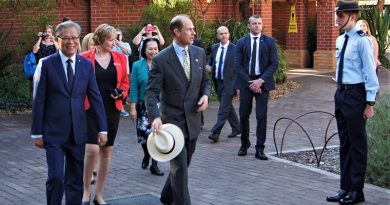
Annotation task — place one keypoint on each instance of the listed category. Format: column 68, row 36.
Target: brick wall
column 280, row 18
column 327, row 32
column 264, row 9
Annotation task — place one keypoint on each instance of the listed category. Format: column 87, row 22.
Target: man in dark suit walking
column 221, row 65
column 62, row 81
column 256, row 61
column 179, row 77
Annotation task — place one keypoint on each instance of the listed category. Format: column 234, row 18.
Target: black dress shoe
column 260, row 155
column 234, row 134
column 214, row 137
column 353, row 197
column 145, row 163
column 339, row 195
column 95, row 202
column 243, row 149
column 156, row 171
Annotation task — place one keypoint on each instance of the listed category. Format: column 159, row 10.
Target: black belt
column 350, row 86
column 254, row 77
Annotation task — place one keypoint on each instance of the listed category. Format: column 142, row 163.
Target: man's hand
column 156, row 125
column 237, row 94
column 102, row 139
column 39, row 142
column 255, row 85
column 209, row 68
column 368, row 112
column 203, row 103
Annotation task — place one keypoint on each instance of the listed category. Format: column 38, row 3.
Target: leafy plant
column 281, row 74
column 43, row 15
column 378, row 165
column 379, row 22
column 14, row 89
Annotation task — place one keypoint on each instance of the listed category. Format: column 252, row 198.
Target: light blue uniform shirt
column 359, row 64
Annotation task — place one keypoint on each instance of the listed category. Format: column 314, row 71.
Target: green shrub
column 378, row 165
column 14, row 89
column 379, row 22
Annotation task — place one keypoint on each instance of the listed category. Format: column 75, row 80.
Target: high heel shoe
column 156, row 171
column 95, row 202
column 93, row 180
column 145, row 163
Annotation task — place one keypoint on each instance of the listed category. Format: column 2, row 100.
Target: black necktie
column 69, row 72
column 341, row 63
column 253, row 60
column 219, row 76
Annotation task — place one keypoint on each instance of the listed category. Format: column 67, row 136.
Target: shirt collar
column 254, row 35
column 178, row 48
column 225, row 46
column 352, row 31
column 65, row 58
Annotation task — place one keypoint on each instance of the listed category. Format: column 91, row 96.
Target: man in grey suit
column 221, row 64
column 179, row 78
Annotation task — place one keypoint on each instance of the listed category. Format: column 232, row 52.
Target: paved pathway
column 217, row 175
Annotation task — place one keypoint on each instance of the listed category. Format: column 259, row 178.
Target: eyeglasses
column 68, row 39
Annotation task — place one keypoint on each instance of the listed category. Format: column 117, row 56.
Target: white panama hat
column 166, row 144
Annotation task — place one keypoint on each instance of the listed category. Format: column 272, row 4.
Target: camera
column 44, row 35
column 150, row 28
column 117, row 91
column 117, row 37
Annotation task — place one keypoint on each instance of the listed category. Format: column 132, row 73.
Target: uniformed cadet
column 357, row 85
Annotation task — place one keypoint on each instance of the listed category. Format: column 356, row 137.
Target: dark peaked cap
column 347, row 5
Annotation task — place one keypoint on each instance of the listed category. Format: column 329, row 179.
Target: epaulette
column 361, row 33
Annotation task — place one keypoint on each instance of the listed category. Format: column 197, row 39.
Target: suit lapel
column 194, row 61
column 229, row 53
column 61, row 70
column 77, row 72
column 261, row 47
column 175, row 64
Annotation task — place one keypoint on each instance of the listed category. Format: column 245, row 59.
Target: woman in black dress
column 113, row 83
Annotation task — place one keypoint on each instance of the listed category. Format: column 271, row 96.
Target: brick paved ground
column 217, row 175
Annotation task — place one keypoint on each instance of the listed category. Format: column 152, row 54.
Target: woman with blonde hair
column 87, row 43
column 113, row 83
column 363, row 25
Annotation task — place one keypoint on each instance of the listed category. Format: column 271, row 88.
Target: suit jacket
column 122, row 80
column 178, row 96
column 57, row 110
column 229, row 73
column 139, row 78
column 268, row 58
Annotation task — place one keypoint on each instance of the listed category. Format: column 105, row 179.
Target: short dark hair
column 145, row 42
column 66, row 19
column 177, row 22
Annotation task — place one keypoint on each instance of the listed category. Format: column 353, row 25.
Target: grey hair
column 67, row 24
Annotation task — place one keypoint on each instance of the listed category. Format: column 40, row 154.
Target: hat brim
column 178, row 136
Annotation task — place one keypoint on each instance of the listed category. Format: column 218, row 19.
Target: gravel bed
column 330, row 160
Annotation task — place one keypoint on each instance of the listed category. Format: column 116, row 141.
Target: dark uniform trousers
column 226, row 110
column 349, row 108
column 246, row 99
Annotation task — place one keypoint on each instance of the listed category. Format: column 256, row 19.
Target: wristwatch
column 370, row 103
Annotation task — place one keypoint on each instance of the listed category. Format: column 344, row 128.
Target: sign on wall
column 292, row 25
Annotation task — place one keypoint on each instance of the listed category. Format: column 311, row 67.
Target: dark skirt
column 113, row 117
